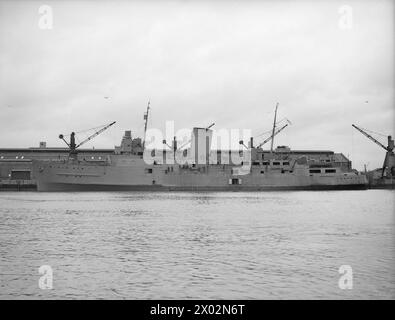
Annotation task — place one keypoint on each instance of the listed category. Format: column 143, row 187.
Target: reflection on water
column 197, row 245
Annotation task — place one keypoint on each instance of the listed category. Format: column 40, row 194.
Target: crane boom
column 95, row 134
column 275, row 133
column 370, row 137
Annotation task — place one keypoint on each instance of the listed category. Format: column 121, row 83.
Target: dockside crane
column 389, row 160
column 73, row 146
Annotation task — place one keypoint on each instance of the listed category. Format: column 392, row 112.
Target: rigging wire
column 374, row 132
column 263, row 133
column 86, row 130
column 270, row 131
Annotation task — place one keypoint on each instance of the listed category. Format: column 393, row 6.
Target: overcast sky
column 199, row 62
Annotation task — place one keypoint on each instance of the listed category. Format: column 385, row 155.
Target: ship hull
column 382, row 184
column 67, row 187
column 128, row 174
column 58, row 187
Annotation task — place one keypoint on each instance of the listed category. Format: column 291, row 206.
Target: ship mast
column 274, row 128
column 146, row 122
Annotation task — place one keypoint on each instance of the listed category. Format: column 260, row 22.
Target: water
column 263, row 245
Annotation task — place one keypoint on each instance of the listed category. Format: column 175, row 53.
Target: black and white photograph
column 185, row 150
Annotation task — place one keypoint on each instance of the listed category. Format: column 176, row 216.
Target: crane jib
column 96, row 134
column 370, row 137
column 72, row 145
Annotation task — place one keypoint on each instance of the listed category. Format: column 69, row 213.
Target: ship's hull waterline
column 63, row 187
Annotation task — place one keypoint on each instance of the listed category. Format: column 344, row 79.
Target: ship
column 135, row 167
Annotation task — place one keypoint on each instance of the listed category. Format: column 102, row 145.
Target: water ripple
column 197, row 245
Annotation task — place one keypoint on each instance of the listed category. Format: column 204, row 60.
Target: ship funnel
column 201, row 145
